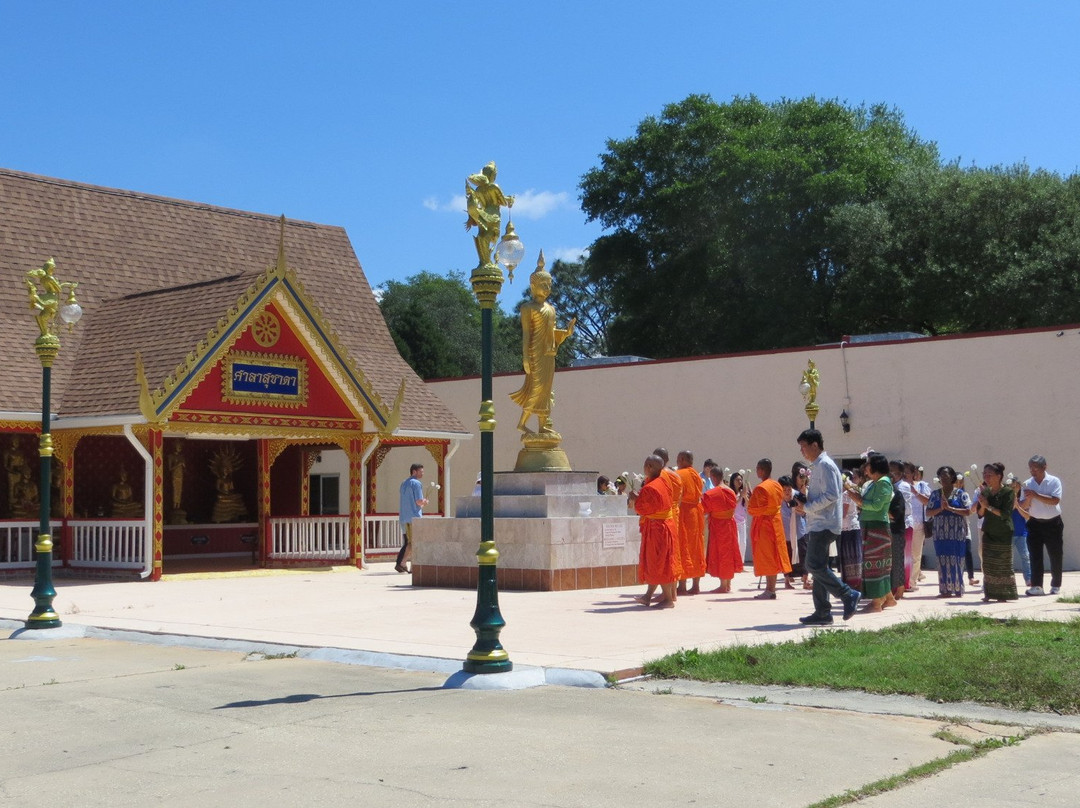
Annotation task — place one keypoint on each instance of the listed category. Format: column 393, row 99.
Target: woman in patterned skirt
column 995, row 507
column 874, row 498
column 950, row 508
column 850, row 544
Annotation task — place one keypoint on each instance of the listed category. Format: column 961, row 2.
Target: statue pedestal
column 552, row 530
column 542, row 452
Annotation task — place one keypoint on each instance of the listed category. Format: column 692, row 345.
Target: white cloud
column 530, row 205
column 455, row 205
column 569, row 254
column 538, row 204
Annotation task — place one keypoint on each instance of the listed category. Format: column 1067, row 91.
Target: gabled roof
column 153, row 272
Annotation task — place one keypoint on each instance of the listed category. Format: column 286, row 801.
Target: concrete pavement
column 378, row 611
column 240, row 721
column 103, row 723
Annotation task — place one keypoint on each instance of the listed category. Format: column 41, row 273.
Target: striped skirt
column 999, row 580
column 877, row 560
column 851, row 562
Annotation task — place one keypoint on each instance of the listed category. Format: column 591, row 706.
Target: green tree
column 952, row 250
column 719, row 219
column 435, row 323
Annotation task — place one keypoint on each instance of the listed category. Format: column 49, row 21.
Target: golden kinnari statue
column 229, row 505
column 483, row 199
column 539, row 344
column 808, row 387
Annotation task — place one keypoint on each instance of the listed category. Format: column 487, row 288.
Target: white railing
column 112, row 543
column 17, row 543
column 382, row 534
column 310, row 537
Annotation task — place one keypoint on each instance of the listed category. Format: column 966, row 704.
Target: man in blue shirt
column 410, row 506
column 824, row 519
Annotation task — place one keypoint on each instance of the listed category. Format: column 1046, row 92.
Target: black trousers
column 405, row 533
column 1048, row 533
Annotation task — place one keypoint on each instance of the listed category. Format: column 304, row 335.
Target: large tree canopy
column 948, row 250
column 435, row 322
column 719, row 219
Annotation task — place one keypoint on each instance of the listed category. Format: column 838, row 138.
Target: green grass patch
column 1018, row 664
column 1069, row 599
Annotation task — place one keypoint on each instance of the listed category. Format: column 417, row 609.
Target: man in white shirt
column 1041, row 497
column 920, row 495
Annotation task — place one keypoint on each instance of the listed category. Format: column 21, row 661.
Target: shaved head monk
column 767, row 540
column 691, row 538
column 656, row 559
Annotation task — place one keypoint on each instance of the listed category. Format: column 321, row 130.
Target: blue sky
column 370, row 115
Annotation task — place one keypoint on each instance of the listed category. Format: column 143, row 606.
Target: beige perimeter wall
column 951, row 400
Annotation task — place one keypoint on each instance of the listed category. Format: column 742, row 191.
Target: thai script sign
column 249, row 378
column 270, row 379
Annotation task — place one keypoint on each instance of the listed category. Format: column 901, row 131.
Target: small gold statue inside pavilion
column 229, row 505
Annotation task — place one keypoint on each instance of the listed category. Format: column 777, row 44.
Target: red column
column 356, row 501
column 156, row 439
column 263, row 452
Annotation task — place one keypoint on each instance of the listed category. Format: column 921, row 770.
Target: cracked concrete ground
column 93, row 722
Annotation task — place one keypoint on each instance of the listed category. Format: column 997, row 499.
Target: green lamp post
column 484, row 199
column 45, row 302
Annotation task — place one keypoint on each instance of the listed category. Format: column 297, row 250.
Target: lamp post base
column 49, row 619
column 487, row 654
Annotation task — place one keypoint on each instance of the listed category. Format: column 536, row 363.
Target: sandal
column 401, row 568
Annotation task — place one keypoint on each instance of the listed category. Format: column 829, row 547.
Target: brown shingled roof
column 120, row 243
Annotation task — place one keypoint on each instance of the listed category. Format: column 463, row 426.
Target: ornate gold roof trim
column 157, row 405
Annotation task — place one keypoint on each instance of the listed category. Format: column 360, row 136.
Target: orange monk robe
column 656, row 559
column 767, row 538
column 691, row 538
column 674, row 486
column 723, row 559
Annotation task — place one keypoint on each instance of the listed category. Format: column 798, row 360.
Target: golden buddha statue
column 176, row 464
column 25, row 500
column 124, row 504
column 540, row 343
column 229, row 505
column 14, row 466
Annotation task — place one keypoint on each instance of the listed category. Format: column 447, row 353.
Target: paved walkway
column 377, row 610
column 136, row 723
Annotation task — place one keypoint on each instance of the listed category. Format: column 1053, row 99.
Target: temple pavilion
column 226, row 400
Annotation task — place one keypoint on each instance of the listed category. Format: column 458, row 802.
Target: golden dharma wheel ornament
column 266, row 329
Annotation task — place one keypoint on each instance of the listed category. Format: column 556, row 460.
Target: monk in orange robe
column 674, row 484
column 723, row 559
column 691, row 524
column 656, row 559
column 767, row 538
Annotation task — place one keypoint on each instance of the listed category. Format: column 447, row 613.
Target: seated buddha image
column 229, row 505
column 124, row 504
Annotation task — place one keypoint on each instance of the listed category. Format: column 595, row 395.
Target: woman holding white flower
column 950, row 508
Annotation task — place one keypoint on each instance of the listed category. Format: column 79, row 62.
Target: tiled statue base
column 552, row 530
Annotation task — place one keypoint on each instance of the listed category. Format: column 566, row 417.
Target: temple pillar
column 64, row 444
column 356, row 501
column 265, row 461
column 155, row 445
column 438, row 454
